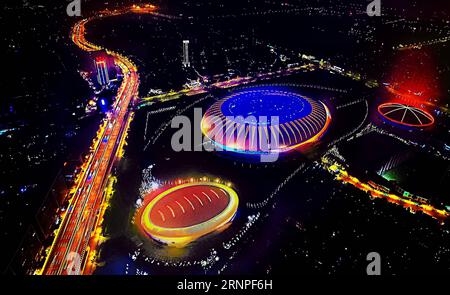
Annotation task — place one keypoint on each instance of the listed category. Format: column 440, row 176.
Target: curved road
column 76, row 237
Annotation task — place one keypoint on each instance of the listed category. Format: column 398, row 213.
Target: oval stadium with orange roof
column 183, row 213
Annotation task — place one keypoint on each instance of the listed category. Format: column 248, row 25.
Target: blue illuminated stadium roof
column 267, row 101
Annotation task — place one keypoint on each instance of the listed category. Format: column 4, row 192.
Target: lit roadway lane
column 80, row 221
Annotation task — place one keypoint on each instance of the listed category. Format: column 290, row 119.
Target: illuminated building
column 102, row 72
column 183, row 213
column 265, row 119
column 405, row 115
column 186, row 62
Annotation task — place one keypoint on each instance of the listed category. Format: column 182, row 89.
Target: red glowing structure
column 413, row 79
column 181, row 214
column 412, row 87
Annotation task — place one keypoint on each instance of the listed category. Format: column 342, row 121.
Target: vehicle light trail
column 377, row 191
column 78, row 232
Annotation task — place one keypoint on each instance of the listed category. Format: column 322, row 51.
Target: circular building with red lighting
column 405, row 115
column 265, row 120
column 185, row 212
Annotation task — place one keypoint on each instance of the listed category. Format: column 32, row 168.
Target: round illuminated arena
column 185, row 212
column 405, row 115
column 265, row 120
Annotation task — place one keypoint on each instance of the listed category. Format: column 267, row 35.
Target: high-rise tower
column 186, row 62
column 102, row 72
